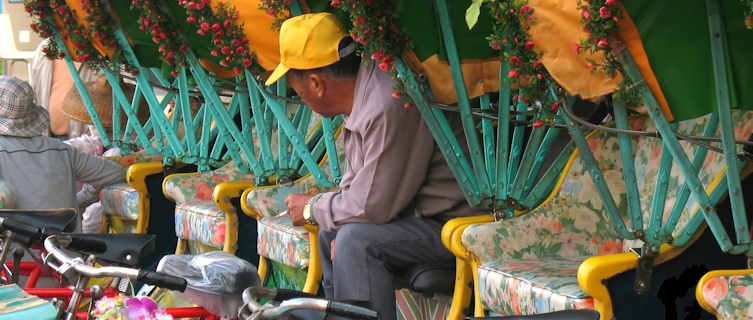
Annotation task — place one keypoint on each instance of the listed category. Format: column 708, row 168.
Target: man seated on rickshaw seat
column 40, row 171
column 397, row 190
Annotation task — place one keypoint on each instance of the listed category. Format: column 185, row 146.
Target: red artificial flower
column 537, row 64
column 555, row 106
column 529, row 44
column 246, row 62
column 605, row 13
column 384, row 66
column 610, row 2
column 576, row 48
column 408, row 105
column 514, row 60
column 586, row 14
column 602, row 43
column 495, row 45
column 538, row 123
column 396, row 94
column 513, row 73
column 335, row 3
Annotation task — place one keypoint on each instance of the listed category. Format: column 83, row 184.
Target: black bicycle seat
column 123, row 249
column 557, row 315
column 55, row 220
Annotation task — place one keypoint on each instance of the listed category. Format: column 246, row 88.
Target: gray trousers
column 368, row 255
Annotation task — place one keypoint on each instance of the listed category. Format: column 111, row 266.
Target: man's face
column 313, row 90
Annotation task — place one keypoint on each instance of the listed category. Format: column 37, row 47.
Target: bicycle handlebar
column 293, row 301
column 78, row 264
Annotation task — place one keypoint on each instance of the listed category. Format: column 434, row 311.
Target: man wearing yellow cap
column 397, row 191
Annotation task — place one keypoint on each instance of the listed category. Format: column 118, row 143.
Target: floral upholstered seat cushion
column 120, row 200
column 138, row 157
column 729, row 297
column 411, row 305
column 182, row 187
column 529, row 286
column 280, row 241
column 202, row 221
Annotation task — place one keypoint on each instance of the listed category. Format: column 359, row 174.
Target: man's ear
column 316, row 83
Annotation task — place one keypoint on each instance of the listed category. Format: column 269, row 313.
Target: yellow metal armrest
column 137, row 173
column 222, row 194
column 136, row 178
column 453, row 230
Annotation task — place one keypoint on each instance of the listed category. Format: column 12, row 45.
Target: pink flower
column 139, row 308
column 576, row 48
column 514, row 60
column 537, row 64
column 335, row 3
column 602, row 43
column 586, row 14
column 396, row 95
column 513, row 73
column 495, row 44
column 604, row 12
column 714, row 290
column 529, row 44
column 538, row 123
column 610, row 2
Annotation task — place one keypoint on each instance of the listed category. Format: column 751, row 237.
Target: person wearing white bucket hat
column 42, row 171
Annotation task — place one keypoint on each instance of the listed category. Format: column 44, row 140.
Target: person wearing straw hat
column 397, row 190
column 42, row 171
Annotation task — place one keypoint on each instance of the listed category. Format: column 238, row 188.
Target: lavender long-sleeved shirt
column 394, row 166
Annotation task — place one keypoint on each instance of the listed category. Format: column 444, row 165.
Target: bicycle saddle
column 428, row 278
column 59, row 220
column 123, row 249
column 557, row 315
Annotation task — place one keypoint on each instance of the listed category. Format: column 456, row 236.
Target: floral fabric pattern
column 139, row 157
column 117, row 225
column 280, row 241
column 529, row 263
column 731, row 297
column 182, row 187
column 532, row 286
column 120, row 200
column 201, row 221
column 416, row 306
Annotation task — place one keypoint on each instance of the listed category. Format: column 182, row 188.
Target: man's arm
column 94, row 170
column 396, row 149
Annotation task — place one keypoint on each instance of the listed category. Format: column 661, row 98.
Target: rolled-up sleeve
column 396, row 149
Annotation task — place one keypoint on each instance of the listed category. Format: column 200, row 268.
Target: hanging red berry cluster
column 511, row 22
column 164, row 35
column 43, row 13
column 600, row 20
column 277, row 9
column 100, row 28
column 227, row 36
column 374, row 29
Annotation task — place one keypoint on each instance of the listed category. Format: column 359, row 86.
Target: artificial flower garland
column 378, row 37
column 512, row 21
column 43, row 13
column 138, row 308
column 277, row 9
column 162, row 31
column 600, row 19
column 228, row 38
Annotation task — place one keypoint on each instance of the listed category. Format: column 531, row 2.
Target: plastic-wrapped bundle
column 215, row 279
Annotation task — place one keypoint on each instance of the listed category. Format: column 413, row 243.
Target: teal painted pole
column 466, row 118
column 151, row 99
column 628, row 169
column 184, row 103
column 503, row 138
column 660, row 196
column 585, row 154
column 79, row 84
column 671, row 143
column 304, row 120
column 445, row 139
column 717, row 37
column 262, row 128
column 203, row 164
column 489, row 147
column 219, row 112
column 282, row 140
column 329, row 140
column 684, row 193
column 517, row 142
column 542, row 154
column 123, row 102
column 541, row 190
column 529, row 155
column 298, row 142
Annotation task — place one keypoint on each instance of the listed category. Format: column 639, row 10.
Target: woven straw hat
column 100, row 93
column 19, row 115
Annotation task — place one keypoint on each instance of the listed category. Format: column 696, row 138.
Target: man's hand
column 295, row 203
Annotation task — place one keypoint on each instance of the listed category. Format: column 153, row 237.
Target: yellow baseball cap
column 308, row 41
